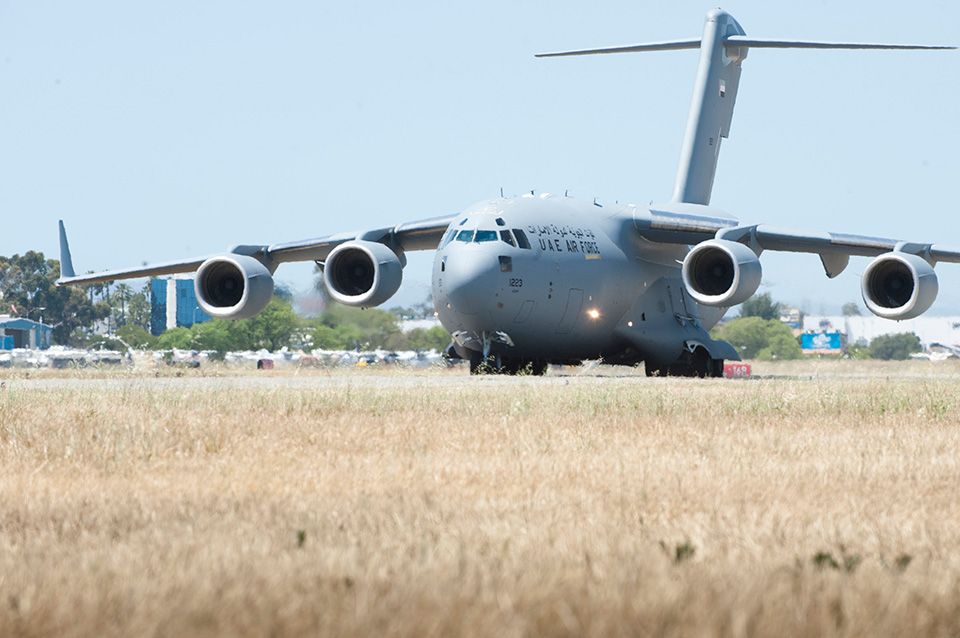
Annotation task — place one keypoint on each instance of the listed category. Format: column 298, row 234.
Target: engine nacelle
column 899, row 286
column 719, row 272
column 233, row 286
column 362, row 273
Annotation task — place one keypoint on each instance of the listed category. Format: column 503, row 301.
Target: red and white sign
column 736, row 370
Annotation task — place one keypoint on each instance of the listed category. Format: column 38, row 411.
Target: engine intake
column 362, row 273
column 899, row 286
column 719, row 272
column 233, row 286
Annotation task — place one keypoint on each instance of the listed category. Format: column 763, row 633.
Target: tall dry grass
column 442, row 505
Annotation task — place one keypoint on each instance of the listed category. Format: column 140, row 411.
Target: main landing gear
column 700, row 365
column 496, row 365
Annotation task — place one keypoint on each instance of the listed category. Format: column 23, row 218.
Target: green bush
column 218, row 334
column 179, row 338
column 339, row 328
column 272, row 329
column 756, row 338
column 137, row 337
column 895, row 346
column 436, row 338
column 345, row 328
column 341, row 337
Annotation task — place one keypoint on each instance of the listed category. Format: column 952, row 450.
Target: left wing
column 691, row 224
column 723, row 268
column 424, row 234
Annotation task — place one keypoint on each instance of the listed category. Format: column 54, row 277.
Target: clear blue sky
column 161, row 130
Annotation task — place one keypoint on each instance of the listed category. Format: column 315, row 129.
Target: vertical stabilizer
column 66, row 261
column 711, row 111
column 723, row 48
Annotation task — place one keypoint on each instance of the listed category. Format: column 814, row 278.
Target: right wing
column 424, row 234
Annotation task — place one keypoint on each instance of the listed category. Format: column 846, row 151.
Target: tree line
column 278, row 326
column 92, row 316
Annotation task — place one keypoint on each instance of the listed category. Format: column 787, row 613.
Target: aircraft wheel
column 716, row 368
column 489, row 365
column 479, row 365
column 511, row 366
column 702, row 365
column 538, row 367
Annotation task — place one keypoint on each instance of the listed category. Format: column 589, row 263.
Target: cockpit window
column 506, row 237
column 500, row 221
column 462, row 222
column 486, row 235
column 465, row 236
column 522, row 240
column 448, row 237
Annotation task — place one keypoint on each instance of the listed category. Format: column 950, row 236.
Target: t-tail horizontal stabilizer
column 723, row 48
column 750, row 43
column 762, row 43
column 668, row 45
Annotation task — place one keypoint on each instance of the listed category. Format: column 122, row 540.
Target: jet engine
column 899, row 285
column 233, row 286
column 719, row 272
column 362, row 273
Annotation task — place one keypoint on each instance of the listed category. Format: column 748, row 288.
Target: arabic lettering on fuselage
column 565, row 239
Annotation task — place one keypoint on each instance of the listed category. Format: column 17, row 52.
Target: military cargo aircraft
column 521, row 282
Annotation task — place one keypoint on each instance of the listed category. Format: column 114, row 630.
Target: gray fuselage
column 577, row 282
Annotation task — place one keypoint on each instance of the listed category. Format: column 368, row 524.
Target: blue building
column 17, row 332
column 173, row 304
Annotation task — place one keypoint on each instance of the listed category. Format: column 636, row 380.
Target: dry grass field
column 823, row 501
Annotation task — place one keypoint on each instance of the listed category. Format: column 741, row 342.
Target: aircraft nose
column 469, row 281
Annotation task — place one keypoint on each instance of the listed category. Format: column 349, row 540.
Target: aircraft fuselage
column 558, row 279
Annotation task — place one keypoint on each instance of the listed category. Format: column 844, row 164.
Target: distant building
column 17, row 332
column 861, row 330
column 174, row 305
column 792, row 317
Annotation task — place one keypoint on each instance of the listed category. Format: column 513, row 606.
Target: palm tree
column 123, row 291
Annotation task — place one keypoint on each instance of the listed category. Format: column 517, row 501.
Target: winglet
column 66, row 261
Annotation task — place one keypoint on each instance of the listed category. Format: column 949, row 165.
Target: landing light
column 593, row 313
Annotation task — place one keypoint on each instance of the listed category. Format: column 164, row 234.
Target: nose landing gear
column 487, row 362
column 495, row 364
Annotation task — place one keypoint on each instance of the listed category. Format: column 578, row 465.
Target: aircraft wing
column 424, row 234
column 691, row 224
